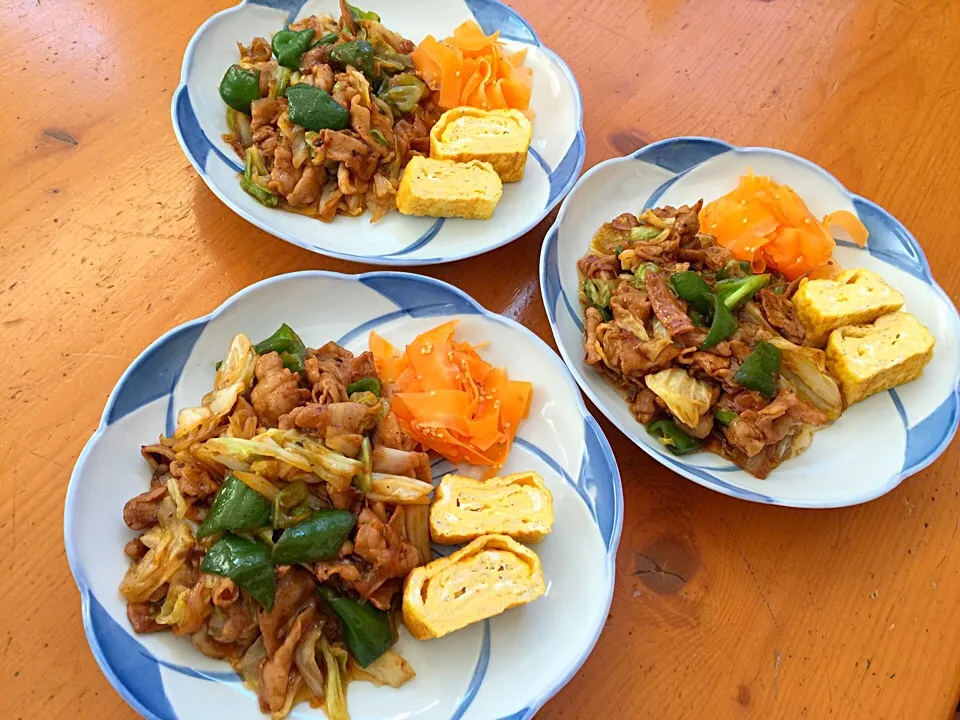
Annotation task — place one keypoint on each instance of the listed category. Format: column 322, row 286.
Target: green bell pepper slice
column 288, row 45
column 288, row 344
column 367, row 384
column 723, row 326
column 235, row 507
column 672, row 437
column 725, row 417
column 329, row 39
column 313, row 109
column 759, row 371
column 358, row 53
column 245, row 562
column 366, row 630
column 319, row 537
column 240, row 87
column 692, row 288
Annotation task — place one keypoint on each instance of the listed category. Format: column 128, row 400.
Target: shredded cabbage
column 336, row 469
column 174, row 609
column 163, row 559
column 173, row 490
column 388, row 669
column 306, row 660
column 335, row 659
column 804, row 370
column 686, row 397
column 399, row 489
column 233, row 379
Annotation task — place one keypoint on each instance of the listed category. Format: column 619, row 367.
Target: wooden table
column 108, row 238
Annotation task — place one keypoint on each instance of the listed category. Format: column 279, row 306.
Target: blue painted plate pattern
column 506, row 667
column 846, row 464
column 555, row 159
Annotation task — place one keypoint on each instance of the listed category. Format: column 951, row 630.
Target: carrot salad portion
column 450, row 399
column 768, row 225
column 474, row 69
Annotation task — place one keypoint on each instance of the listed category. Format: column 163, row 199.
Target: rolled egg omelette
column 499, row 137
column 518, row 505
column 490, row 575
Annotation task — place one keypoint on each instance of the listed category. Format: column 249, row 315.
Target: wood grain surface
column 723, row 609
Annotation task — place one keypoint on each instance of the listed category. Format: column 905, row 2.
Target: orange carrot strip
column 850, row 223
column 429, row 356
column 389, row 361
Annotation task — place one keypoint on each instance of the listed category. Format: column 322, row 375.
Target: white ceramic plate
column 877, row 442
column 506, row 667
column 556, row 152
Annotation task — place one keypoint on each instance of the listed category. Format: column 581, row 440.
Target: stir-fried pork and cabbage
column 709, row 355
column 281, row 519
column 327, row 115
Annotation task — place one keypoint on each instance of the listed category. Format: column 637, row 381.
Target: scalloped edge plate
column 505, row 667
column 845, row 464
column 555, row 158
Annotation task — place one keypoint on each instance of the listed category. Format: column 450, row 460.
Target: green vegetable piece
column 725, row 417
column 364, row 479
column 245, row 562
column 698, row 319
column 644, row 233
column 259, row 193
column 759, row 371
column 319, row 537
column 285, row 341
column 388, row 61
column 240, row 87
column 779, row 289
column 640, row 276
column 280, row 81
column 403, row 92
column 359, row 14
column 289, row 45
column 599, row 292
column 734, row 269
column 378, row 136
column 735, row 293
column 254, row 166
column 329, row 39
column 367, row 384
column 366, row 630
column 358, row 53
column 289, row 506
column 313, row 109
column 235, row 507
column 672, row 437
column 689, row 286
column 723, row 326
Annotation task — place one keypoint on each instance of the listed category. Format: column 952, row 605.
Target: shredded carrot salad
column 449, row 399
column 769, row 225
column 474, row 69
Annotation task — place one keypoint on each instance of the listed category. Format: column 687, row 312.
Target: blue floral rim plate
column 876, row 443
column 506, row 667
column 555, row 157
